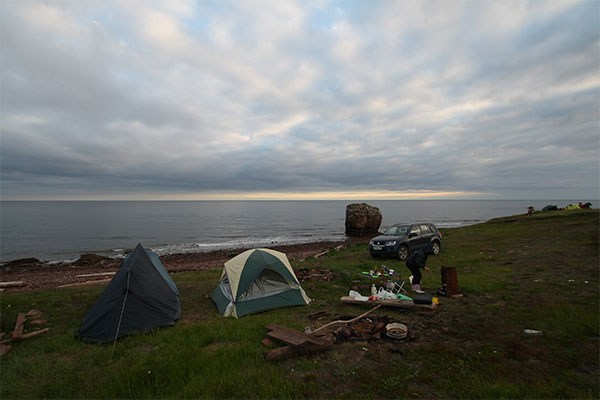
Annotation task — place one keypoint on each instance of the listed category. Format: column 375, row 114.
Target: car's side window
column 415, row 229
column 425, row 229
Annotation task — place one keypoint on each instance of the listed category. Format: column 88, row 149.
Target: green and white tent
column 257, row 280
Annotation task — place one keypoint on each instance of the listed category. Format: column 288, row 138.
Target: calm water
column 60, row 230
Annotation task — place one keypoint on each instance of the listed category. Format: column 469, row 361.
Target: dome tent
column 257, row 280
column 140, row 297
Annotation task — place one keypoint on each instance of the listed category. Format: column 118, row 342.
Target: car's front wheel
column 436, row 247
column 403, row 252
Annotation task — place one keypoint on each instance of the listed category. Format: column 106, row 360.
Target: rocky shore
column 30, row 273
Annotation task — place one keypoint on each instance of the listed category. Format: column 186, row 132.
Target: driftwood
column 95, row 274
column 31, row 334
column 390, row 303
column 85, row 283
column 337, row 248
column 345, row 321
column 12, row 284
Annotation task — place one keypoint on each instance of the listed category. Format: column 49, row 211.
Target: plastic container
column 396, row 330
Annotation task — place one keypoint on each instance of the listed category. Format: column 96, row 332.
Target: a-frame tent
column 257, row 280
column 140, row 297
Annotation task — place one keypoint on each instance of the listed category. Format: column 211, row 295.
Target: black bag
column 422, row 298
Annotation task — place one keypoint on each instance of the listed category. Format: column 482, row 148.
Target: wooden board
column 292, row 337
column 19, row 325
column 389, row 303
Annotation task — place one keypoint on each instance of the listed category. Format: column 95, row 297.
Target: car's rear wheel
column 436, row 247
column 403, row 252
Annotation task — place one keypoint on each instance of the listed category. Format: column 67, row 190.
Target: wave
column 241, row 242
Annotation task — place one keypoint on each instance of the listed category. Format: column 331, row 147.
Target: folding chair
column 398, row 287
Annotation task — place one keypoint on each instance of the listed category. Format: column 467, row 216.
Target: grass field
column 536, row 272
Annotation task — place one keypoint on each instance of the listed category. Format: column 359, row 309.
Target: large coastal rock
column 362, row 219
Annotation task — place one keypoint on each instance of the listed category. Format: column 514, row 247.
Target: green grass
column 516, row 273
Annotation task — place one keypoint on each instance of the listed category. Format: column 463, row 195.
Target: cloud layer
column 186, row 99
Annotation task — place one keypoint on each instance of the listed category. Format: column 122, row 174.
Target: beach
column 32, row 274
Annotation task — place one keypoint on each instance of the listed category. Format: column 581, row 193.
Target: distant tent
column 140, row 297
column 257, row 280
column 550, row 207
column 572, row 207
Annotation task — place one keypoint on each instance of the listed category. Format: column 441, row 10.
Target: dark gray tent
column 140, row 297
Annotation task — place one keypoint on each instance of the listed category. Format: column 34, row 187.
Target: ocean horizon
column 64, row 229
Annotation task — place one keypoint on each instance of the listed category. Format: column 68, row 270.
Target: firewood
column 31, row 334
column 19, row 325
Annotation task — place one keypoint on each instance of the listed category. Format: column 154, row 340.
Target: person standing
column 417, row 261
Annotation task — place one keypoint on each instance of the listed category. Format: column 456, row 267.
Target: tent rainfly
column 257, row 280
column 140, row 297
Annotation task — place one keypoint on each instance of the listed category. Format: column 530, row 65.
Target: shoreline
column 33, row 274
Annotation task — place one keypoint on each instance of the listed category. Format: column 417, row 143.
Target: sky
column 283, row 99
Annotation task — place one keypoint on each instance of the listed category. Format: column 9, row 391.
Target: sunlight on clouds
column 316, row 195
column 460, row 109
column 164, row 31
column 281, row 127
column 50, row 18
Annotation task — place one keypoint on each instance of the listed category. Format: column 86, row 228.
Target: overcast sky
column 138, row 99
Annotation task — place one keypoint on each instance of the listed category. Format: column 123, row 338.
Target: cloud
column 191, row 99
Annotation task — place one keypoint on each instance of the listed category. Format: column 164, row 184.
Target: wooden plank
column 389, row 303
column 292, row 337
column 19, row 326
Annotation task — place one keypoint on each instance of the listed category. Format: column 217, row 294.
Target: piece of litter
column 585, row 282
column 571, row 280
column 365, row 349
column 532, row 332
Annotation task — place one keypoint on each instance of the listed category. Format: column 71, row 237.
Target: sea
column 63, row 230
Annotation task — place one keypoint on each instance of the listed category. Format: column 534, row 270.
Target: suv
column 402, row 239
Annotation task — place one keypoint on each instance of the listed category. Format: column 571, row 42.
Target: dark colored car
column 402, row 239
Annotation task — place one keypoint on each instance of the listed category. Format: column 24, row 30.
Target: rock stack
column 362, row 219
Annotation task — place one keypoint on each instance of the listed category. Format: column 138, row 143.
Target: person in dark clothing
column 417, row 261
